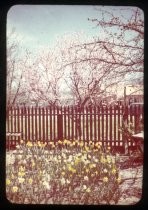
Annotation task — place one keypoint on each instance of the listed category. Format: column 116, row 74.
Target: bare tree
column 44, row 79
column 16, row 67
column 98, row 65
column 123, row 37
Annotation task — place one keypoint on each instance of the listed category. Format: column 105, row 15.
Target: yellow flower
column 90, row 142
column 40, row 144
column 21, row 174
column 109, row 159
column 14, row 189
column 103, row 160
column 108, row 148
column 81, row 144
column 63, row 173
column 72, row 169
column 71, row 144
column 86, row 148
column 21, row 180
column 53, row 146
column 92, row 165
column 87, row 170
column 114, row 171
column 96, row 172
column 68, row 142
column 22, row 141
column 105, row 179
column 22, row 168
column 30, row 180
column 8, row 182
column 88, row 189
column 65, row 141
column 95, row 150
column 29, row 144
column 33, row 163
column 98, row 144
column 77, row 160
column 92, row 145
column 118, row 179
column 40, row 173
column 60, row 142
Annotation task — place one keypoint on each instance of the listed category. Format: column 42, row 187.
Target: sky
column 38, row 26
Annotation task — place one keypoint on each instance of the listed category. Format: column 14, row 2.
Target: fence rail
column 56, row 123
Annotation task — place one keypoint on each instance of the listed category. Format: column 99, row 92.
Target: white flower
column 67, row 181
column 21, row 151
column 86, row 162
column 84, row 157
column 89, row 156
column 79, row 154
column 17, row 146
column 70, row 158
column 46, row 184
column 63, row 181
column 63, row 155
column 105, row 170
column 10, row 159
column 55, row 159
column 21, row 179
column 59, row 157
column 48, row 177
column 20, row 156
column 86, row 178
column 84, row 187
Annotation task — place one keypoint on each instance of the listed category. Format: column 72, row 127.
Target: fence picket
column 94, row 114
column 81, row 123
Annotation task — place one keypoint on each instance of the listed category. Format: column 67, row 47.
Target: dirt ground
column 131, row 173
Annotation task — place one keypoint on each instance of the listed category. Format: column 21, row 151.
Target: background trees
column 80, row 68
column 114, row 57
column 17, row 63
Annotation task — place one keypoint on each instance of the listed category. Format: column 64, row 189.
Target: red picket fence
column 69, row 122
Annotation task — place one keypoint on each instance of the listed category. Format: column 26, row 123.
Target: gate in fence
column 104, row 124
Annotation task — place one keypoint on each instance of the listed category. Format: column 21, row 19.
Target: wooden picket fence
column 69, row 122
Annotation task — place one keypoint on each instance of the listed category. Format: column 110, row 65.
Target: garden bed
column 71, row 173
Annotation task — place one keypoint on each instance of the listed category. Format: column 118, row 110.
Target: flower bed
column 68, row 172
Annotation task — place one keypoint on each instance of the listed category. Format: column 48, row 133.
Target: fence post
column 60, row 126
